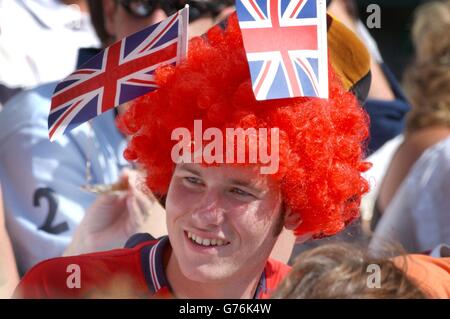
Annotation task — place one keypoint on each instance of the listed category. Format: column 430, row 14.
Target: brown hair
column 338, row 271
column 427, row 80
column 352, row 8
column 98, row 22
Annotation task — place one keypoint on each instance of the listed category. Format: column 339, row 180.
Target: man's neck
column 241, row 287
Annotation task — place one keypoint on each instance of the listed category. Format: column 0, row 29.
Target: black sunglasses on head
column 145, row 8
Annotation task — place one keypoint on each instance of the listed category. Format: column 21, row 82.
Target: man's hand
column 116, row 216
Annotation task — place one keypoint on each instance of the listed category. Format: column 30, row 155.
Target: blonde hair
column 427, row 80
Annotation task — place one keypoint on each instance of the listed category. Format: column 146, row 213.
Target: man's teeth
column 206, row 242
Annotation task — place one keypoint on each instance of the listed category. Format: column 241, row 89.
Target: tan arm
column 9, row 277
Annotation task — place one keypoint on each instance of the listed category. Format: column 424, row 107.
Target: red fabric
column 275, row 274
column 115, row 273
column 431, row 275
column 112, row 274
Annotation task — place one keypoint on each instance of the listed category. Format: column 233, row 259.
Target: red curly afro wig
column 321, row 141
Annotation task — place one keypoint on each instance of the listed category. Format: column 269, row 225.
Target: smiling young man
column 223, row 224
column 223, row 219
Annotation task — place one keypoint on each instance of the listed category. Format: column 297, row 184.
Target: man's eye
column 193, row 180
column 240, row 192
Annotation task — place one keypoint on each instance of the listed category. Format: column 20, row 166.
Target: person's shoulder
column 429, row 175
column 276, row 271
column 430, row 274
column 29, row 108
column 274, row 266
column 436, row 156
column 442, row 151
column 140, row 239
column 35, row 100
column 85, row 275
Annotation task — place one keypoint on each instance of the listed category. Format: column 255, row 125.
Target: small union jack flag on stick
column 286, row 46
column 118, row 74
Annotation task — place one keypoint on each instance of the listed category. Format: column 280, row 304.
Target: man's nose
column 209, row 212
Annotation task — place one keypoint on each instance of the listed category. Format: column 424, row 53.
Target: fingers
column 105, row 210
column 147, row 215
column 110, row 200
column 134, row 219
column 136, row 179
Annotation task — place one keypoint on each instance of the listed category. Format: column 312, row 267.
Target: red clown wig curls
column 321, row 141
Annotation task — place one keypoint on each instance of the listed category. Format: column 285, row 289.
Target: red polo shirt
column 136, row 272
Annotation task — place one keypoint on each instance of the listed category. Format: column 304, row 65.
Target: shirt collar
column 153, row 266
column 152, row 260
column 262, row 286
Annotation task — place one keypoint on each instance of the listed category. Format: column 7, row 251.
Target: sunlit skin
column 237, row 205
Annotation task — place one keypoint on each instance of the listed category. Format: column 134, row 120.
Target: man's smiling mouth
column 207, row 242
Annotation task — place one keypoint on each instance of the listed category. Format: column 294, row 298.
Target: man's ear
column 292, row 220
column 109, row 14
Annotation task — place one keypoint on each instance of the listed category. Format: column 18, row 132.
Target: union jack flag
column 118, row 74
column 286, row 46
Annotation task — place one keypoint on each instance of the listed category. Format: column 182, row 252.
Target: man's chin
column 208, row 273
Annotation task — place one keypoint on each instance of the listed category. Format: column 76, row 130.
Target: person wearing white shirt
column 39, row 41
column 418, row 216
